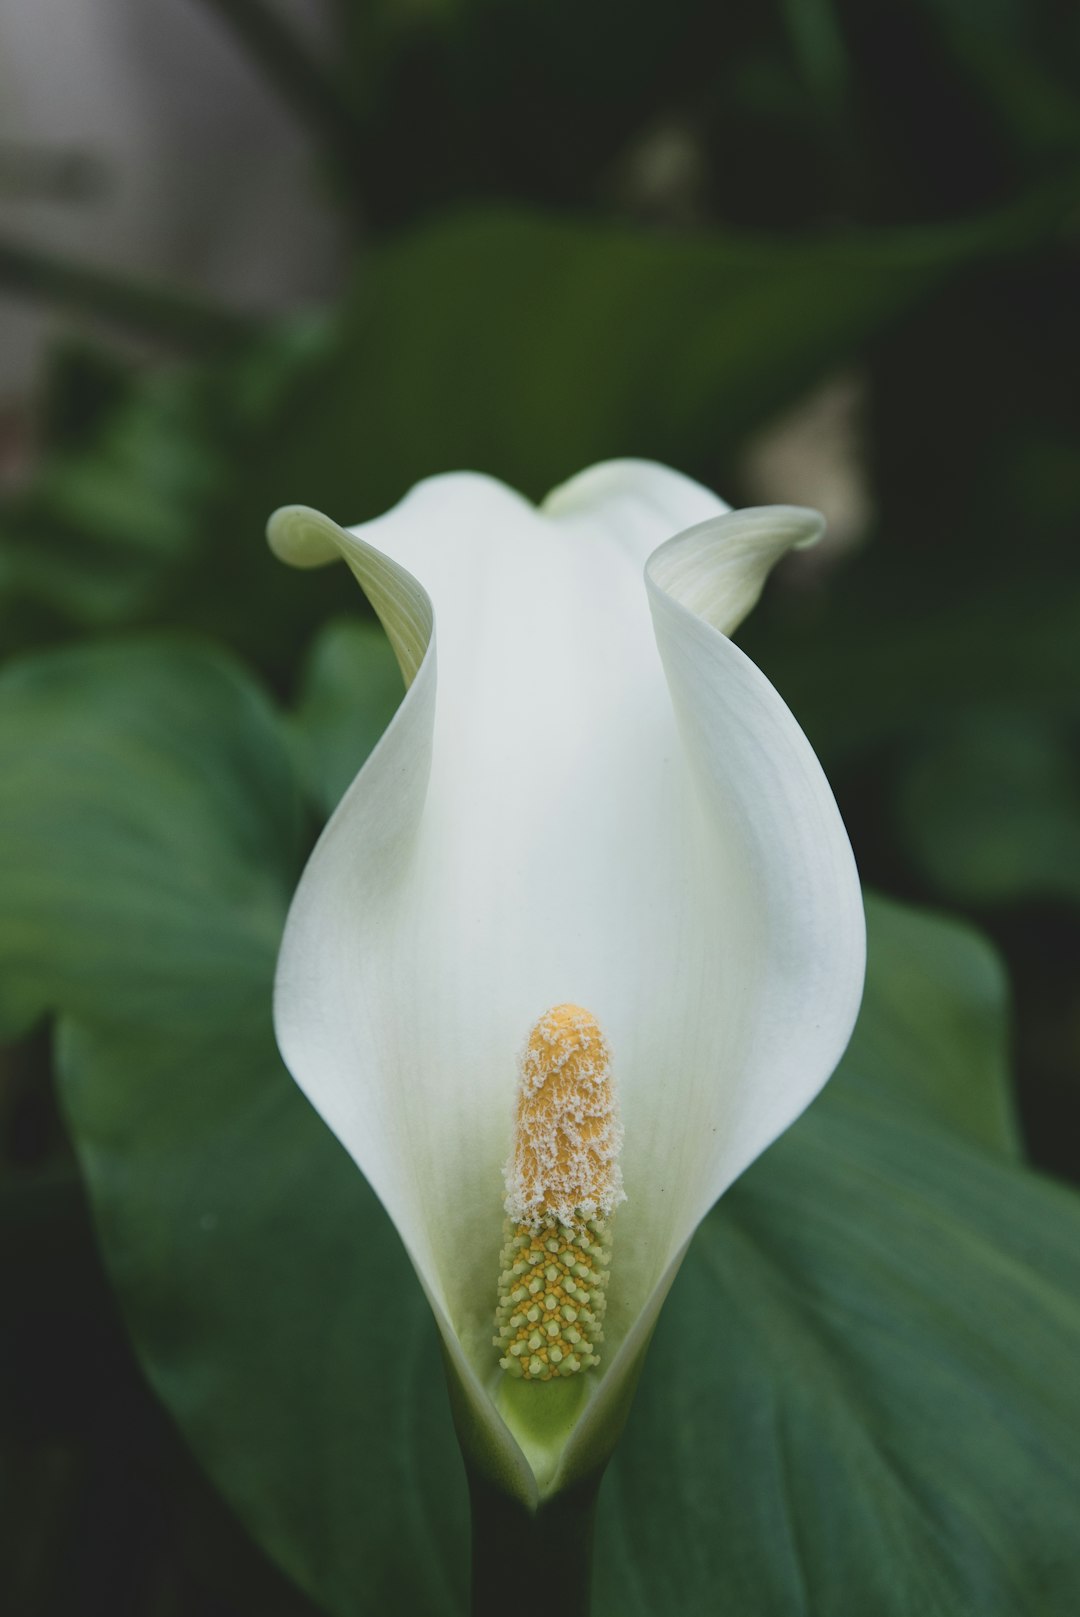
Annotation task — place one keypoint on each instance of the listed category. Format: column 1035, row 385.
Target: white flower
column 591, row 797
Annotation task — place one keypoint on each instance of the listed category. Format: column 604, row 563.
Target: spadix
column 563, row 1182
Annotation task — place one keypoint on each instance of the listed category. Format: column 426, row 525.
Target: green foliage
column 236, row 1215
column 129, row 837
column 881, row 1318
column 349, row 687
column 939, row 664
column 522, row 346
column 546, row 345
column 860, row 1396
column 991, row 809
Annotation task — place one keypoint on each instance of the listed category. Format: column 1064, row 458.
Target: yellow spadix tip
column 565, row 1161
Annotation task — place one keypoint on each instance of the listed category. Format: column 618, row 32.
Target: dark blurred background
column 805, row 250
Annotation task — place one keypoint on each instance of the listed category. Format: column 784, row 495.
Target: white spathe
column 588, row 795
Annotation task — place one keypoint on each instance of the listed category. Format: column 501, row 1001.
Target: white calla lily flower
column 589, row 796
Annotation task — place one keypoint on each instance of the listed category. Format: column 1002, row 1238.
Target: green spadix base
column 541, row 1415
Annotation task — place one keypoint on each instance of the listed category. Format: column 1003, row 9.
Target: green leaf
column 150, row 840
column 932, row 1034
column 108, row 521
column 880, row 1319
column 1003, row 633
column 128, row 816
column 990, row 808
column 350, row 688
column 861, row 1395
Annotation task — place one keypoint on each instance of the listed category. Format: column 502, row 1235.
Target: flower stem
column 532, row 1564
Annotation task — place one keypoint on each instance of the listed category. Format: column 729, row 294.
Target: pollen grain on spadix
column 563, row 1183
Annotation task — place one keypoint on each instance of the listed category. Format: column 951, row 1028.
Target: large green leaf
column 139, row 820
column 932, row 1034
column 881, row 1318
column 150, row 837
column 350, row 686
column 860, row 1396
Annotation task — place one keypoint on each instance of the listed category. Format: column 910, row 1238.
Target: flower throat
column 562, row 1184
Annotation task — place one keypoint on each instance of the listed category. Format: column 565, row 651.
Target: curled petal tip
column 806, row 524
column 718, row 568
column 303, row 537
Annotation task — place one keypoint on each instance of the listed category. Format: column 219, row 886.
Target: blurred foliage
column 577, row 232
column 800, row 110
column 991, row 812
column 523, row 346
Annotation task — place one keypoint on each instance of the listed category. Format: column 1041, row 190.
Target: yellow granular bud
column 563, row 1182
column 567, row 1137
